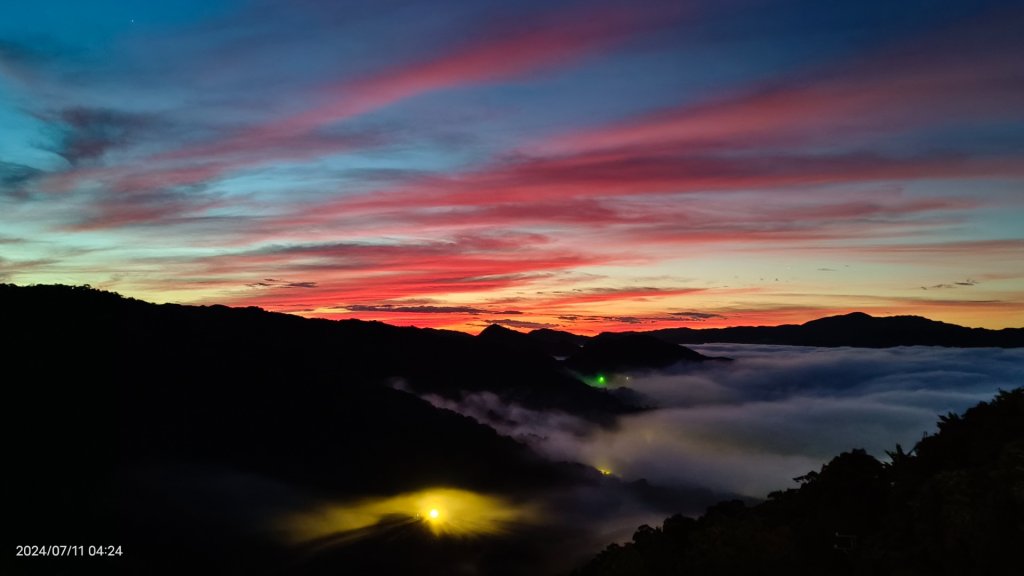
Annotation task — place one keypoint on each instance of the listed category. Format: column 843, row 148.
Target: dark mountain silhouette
column 558, row 342
column 953, row 505
column 110, row 390
column 856, row 329
column 610, row 352
column 438, row 361
column 517, row 343
column 133, row 422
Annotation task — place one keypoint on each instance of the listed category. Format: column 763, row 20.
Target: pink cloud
column 964, row 74
column 503, row 53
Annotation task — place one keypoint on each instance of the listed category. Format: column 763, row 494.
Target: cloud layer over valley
column 777, row 412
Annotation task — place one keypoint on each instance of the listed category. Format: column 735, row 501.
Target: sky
column 590, row 165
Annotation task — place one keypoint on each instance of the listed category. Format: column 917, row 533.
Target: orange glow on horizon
column 964, row 316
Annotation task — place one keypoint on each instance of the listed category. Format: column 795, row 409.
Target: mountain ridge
column 856, row 329
column 138, row 424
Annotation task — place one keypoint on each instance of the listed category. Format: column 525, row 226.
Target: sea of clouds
column 715, row 430
column 776, row 412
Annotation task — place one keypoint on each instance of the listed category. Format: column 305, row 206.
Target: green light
column 600, row 378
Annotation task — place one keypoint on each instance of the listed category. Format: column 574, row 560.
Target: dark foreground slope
column 953, row 505
column 134, row 424
column 856, row 329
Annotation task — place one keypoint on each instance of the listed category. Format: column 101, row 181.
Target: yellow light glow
column 444, row 511
column 605, row 471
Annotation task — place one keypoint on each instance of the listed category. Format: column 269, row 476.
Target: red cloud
column 504, row 52
column 969, row 73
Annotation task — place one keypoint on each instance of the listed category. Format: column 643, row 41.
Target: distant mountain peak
column 856, row 316
column 856, row 329
column 614, row 352
column 850, row 318
column 498, row 329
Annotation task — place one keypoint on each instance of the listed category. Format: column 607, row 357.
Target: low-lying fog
column 776, row 412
